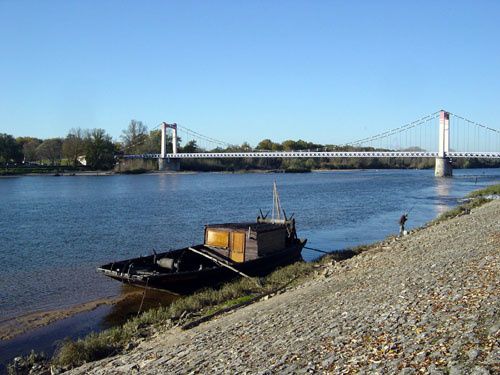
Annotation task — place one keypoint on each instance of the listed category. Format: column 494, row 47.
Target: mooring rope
column 318, row 250
column 143, row 296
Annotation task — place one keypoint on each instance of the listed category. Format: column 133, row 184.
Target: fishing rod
column 411, row 209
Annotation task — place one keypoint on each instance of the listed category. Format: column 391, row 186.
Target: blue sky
column 324, row 71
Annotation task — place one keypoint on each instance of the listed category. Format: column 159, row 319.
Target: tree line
column 93, row 147
column 97, row 150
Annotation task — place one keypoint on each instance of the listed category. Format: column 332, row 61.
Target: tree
column 50, row 149
column 29, row 145
column 10, row 150
column 245, row 147
column 99, row 149
column 134, row 136
column 190, row 147
column 268, row 145
column 152, row 144
column 73, row 146
column 29, row 149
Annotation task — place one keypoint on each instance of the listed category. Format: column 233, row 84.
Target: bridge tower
column 443, row 167
column 164, row 163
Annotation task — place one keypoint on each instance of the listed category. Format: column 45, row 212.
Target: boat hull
column 190, row 280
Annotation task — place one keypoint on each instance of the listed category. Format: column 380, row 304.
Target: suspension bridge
column 441, row 135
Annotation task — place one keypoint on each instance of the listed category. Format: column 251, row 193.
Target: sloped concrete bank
column 427, row 303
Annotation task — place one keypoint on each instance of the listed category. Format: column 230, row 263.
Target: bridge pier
column 169, row 164
column 164, row 163
column 443, row 167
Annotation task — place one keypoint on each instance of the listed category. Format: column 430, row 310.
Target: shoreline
column 15, row 326
column 189, row 172
column 44, row 318
column 410, row 306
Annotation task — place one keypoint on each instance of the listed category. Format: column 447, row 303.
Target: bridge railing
column 318, row 154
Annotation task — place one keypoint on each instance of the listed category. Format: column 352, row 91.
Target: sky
column 324, row 71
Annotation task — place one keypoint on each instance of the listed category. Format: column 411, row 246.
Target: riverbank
column 426, row 302
column 419, row 281
column 15, row 326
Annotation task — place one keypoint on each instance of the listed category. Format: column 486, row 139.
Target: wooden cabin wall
column 251, row 249
column 269, row 242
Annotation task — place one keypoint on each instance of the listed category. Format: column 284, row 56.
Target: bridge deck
column 319, row 154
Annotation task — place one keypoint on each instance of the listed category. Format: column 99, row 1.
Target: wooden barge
column 248, row 249
column 228, row 250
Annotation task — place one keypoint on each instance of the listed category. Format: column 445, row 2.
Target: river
column 55, row 231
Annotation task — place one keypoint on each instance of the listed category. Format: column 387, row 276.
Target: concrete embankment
column 426, row 303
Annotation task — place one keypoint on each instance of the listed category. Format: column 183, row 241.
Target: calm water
column 56, row 230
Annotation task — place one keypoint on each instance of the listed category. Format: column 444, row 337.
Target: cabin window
column 217, row 238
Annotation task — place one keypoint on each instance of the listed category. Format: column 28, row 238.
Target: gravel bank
column 427, row 303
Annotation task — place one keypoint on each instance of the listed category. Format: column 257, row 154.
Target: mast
column 276, row 204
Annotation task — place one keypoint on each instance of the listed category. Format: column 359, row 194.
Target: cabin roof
column 254, row 227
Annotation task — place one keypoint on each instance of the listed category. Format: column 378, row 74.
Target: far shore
column 155, row 172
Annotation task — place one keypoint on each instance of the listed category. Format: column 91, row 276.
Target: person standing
column 402, row 221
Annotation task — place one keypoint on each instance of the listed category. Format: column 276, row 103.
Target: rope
column 143, row 297
column 318, row 250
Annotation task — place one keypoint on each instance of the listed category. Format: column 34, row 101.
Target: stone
column 478, row 370
column 407, row 371
column 473, row 354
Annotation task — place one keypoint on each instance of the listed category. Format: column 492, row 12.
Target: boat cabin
column 242, row 242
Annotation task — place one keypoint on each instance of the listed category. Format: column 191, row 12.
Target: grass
column 206, row 302
column 25, row 364
column 230, row 303
column 477, row 199
column 209, row 301
column 490, row 190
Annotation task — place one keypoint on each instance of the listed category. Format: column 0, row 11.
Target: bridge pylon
column 168, row 163
column 443, row 167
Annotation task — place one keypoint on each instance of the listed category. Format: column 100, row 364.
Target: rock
column 473, row 354
column 456, row 369
column 130, row 346
column 407, row 371
column 425, row 300
column 479, row 371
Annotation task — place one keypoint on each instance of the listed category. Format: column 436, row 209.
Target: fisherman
column 402, row 221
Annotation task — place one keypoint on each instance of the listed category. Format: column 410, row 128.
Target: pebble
column 424, row 303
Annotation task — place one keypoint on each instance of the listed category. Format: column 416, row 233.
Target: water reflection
column 442, row 193
column 130, row 304
column 167, row 181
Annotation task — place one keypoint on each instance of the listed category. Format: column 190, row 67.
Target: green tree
column 73, row 146
column 29, row 149
column 29, row 146
column 245, row 147
column 99, row 149
column 152, row 143
column 10, row 150
column 190, row 147
column 50, row 149
column 268, row 145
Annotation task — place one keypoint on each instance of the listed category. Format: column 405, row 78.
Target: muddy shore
column 425, row 303
column 18, row 325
